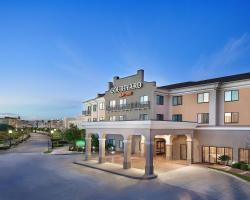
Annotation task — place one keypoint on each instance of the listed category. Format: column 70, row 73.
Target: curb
column 117, row 173
column 228, row 174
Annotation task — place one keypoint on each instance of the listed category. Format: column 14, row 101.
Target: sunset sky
column 55, row 54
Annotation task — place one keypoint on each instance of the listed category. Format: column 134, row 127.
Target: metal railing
column 129, row 106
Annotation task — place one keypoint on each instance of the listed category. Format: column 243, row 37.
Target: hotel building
column 195, row 121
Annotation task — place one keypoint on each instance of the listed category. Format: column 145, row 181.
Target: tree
column 73, row 133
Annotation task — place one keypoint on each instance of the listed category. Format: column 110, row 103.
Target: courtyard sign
column 124, row 88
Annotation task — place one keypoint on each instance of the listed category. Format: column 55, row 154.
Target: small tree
column 224, row 159
column 73, row 133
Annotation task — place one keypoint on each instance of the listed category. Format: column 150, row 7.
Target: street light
column 10, row 133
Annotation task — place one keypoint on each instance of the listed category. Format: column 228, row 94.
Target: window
column 89, row 108
column 177, row 100
column 89, row 119
column 101, row 106
column 143, row 116
column 122, row 117
column 160, row 117
column 112, row 103
column 144, row 99
column 94, row 119
column 120, row 144
column 203, row 118
column 159, row 100
column 94, row 108
column 112, row 118
column 177, row 118
column 244, row 155
column 231, row 95
column 111, row 141
column 101, row 119
column 211, row 154
column 203, row 97
column 123, row 102
column 231, row 117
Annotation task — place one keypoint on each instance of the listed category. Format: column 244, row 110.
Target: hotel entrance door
column 160, row 147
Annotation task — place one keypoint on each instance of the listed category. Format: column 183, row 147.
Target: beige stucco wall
column 190, row 108
column 242, row 106
column 223, row 138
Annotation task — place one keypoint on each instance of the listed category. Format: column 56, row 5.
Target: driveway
column 26, row 173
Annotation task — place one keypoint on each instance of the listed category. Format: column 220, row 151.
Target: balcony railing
column 129, row 106
column 86, row 112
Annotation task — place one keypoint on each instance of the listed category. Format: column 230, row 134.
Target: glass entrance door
column 160, row 147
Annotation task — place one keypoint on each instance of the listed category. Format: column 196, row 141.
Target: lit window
column 122, row 117
column 94, row 119
column 232, row 95
column 101, row 119
column 203, row 97
column 112, row 118
column 232, row 117
column 144, row 99
column 112, row 103
column 101, row 106
column 123, row 102
column 120, row 144
column 203, row 118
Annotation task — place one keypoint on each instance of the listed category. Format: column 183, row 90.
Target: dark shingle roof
column 224, row 79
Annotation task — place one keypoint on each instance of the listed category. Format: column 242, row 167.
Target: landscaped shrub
column 224, row 159
column 244, row 166
column 241, row 165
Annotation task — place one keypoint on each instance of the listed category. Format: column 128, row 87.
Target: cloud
column 227, row 58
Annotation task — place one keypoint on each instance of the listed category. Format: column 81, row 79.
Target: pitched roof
column 223, row 79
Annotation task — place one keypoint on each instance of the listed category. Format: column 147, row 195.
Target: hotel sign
column 124, row 88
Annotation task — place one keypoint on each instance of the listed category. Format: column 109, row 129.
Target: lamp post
column 10, row 134
column 51, row 139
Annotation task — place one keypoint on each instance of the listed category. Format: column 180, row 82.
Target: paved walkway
column 26, row 173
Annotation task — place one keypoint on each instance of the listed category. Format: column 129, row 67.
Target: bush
column 236, row 165
column 244, row 166
column 241, row 165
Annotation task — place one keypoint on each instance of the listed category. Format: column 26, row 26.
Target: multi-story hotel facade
column 194, row 121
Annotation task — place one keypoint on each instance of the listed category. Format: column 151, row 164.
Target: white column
column 189, row 151
column 127, row 154
column 87, row 148
column 169, row 151
column 142, row 147
column 102, row 150
column 149, row 156
column 213, row 107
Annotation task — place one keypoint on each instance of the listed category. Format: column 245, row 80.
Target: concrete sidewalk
column 116, row 169
column 64, row 151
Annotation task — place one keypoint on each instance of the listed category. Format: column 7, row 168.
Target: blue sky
column 55, row 54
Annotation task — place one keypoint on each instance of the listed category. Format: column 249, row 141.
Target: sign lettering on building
column 124, row 88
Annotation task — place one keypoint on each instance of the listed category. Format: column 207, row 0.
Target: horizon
column 54, row 55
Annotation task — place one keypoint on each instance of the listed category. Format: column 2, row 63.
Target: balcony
column 130, row 106
column 86, row 112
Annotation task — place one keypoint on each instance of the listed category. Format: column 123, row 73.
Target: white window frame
column 203, row 97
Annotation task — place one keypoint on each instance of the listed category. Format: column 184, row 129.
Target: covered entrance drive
column 151, row 141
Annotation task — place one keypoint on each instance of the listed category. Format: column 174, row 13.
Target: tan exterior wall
column 223, row 138
column 242, row 106
column 190, row 108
